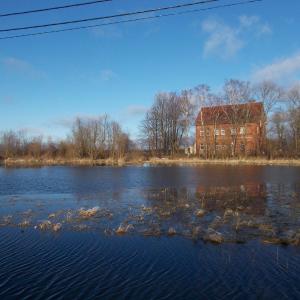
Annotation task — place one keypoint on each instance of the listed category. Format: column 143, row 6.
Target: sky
column 47, row 81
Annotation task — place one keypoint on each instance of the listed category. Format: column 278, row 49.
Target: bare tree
column 269, row 93
column 98, row 137
column 35, row 147
column 278, row 127
column 293, row 96
column 9, row 143
column 237, row 92
column 168, row 122
column 201, row 95
column 214, row 107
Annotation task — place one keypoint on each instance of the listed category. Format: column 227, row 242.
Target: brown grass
column 241, row 161
column 30, row 162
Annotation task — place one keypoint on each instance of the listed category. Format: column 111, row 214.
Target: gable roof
column 251, row 112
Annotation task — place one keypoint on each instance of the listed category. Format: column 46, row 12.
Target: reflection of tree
column 177, row 207
column 171, row 207
column 249, row 197
column 237, row 212
column 169, row 200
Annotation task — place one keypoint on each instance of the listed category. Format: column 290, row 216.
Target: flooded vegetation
column 218, row 211
column 230, row 213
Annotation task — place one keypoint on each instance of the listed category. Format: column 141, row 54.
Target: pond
column 171, row 232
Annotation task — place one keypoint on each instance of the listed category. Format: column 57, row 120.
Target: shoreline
column 27, row 162
column 232, row 162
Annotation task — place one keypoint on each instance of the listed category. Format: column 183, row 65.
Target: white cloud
column 21, row 66
column 132, row 113
column 107, row 75
column 265, row 29
column 225, row 40
column 15, row 63
column 254, row 24
column 248, row 21
column 136, row 110
column 282, row 69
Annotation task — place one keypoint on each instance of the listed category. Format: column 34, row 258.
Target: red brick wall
column 247, row 143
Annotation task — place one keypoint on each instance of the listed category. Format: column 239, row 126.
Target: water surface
column 163, row 250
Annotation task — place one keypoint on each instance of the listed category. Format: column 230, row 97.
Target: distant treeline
column 92, row 138
column 166, row 128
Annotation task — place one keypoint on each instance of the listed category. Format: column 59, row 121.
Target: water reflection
column 227, row 213
column 218, row 204
column 248, row 197
column 88, row 232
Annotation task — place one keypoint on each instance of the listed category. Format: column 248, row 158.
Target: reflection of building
column 250, row 196
column 226, row 130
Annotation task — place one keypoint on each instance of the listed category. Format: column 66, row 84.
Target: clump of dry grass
column 122, row 229
column 88, row 213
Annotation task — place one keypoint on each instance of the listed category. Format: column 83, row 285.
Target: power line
column 111, row 16
column 51, row 8
column 131, row 20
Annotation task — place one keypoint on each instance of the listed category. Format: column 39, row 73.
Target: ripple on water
column 80, row 266
column 81, row 262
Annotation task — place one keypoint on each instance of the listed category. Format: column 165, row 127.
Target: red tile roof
column 250, row 112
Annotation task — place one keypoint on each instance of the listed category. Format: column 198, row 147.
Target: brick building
column 230, row 130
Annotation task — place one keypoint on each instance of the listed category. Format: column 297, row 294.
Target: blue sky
column 46, row 81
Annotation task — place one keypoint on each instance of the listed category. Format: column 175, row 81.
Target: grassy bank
column 241, row 161
column 30, row 162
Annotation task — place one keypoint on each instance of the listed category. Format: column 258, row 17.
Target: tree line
column 168, row 125
column 92, row 138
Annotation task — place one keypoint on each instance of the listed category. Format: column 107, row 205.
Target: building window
column 217, row 132
column 242, row 147
column 233, row 131
column 207, row 132
column 222, row 131
column 221, row 147
column 242, row 130
column 202, row 147
column 201, row 132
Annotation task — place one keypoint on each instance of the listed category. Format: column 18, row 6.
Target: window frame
column 242, row 130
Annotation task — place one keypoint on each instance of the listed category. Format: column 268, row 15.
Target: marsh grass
column 30, row 162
